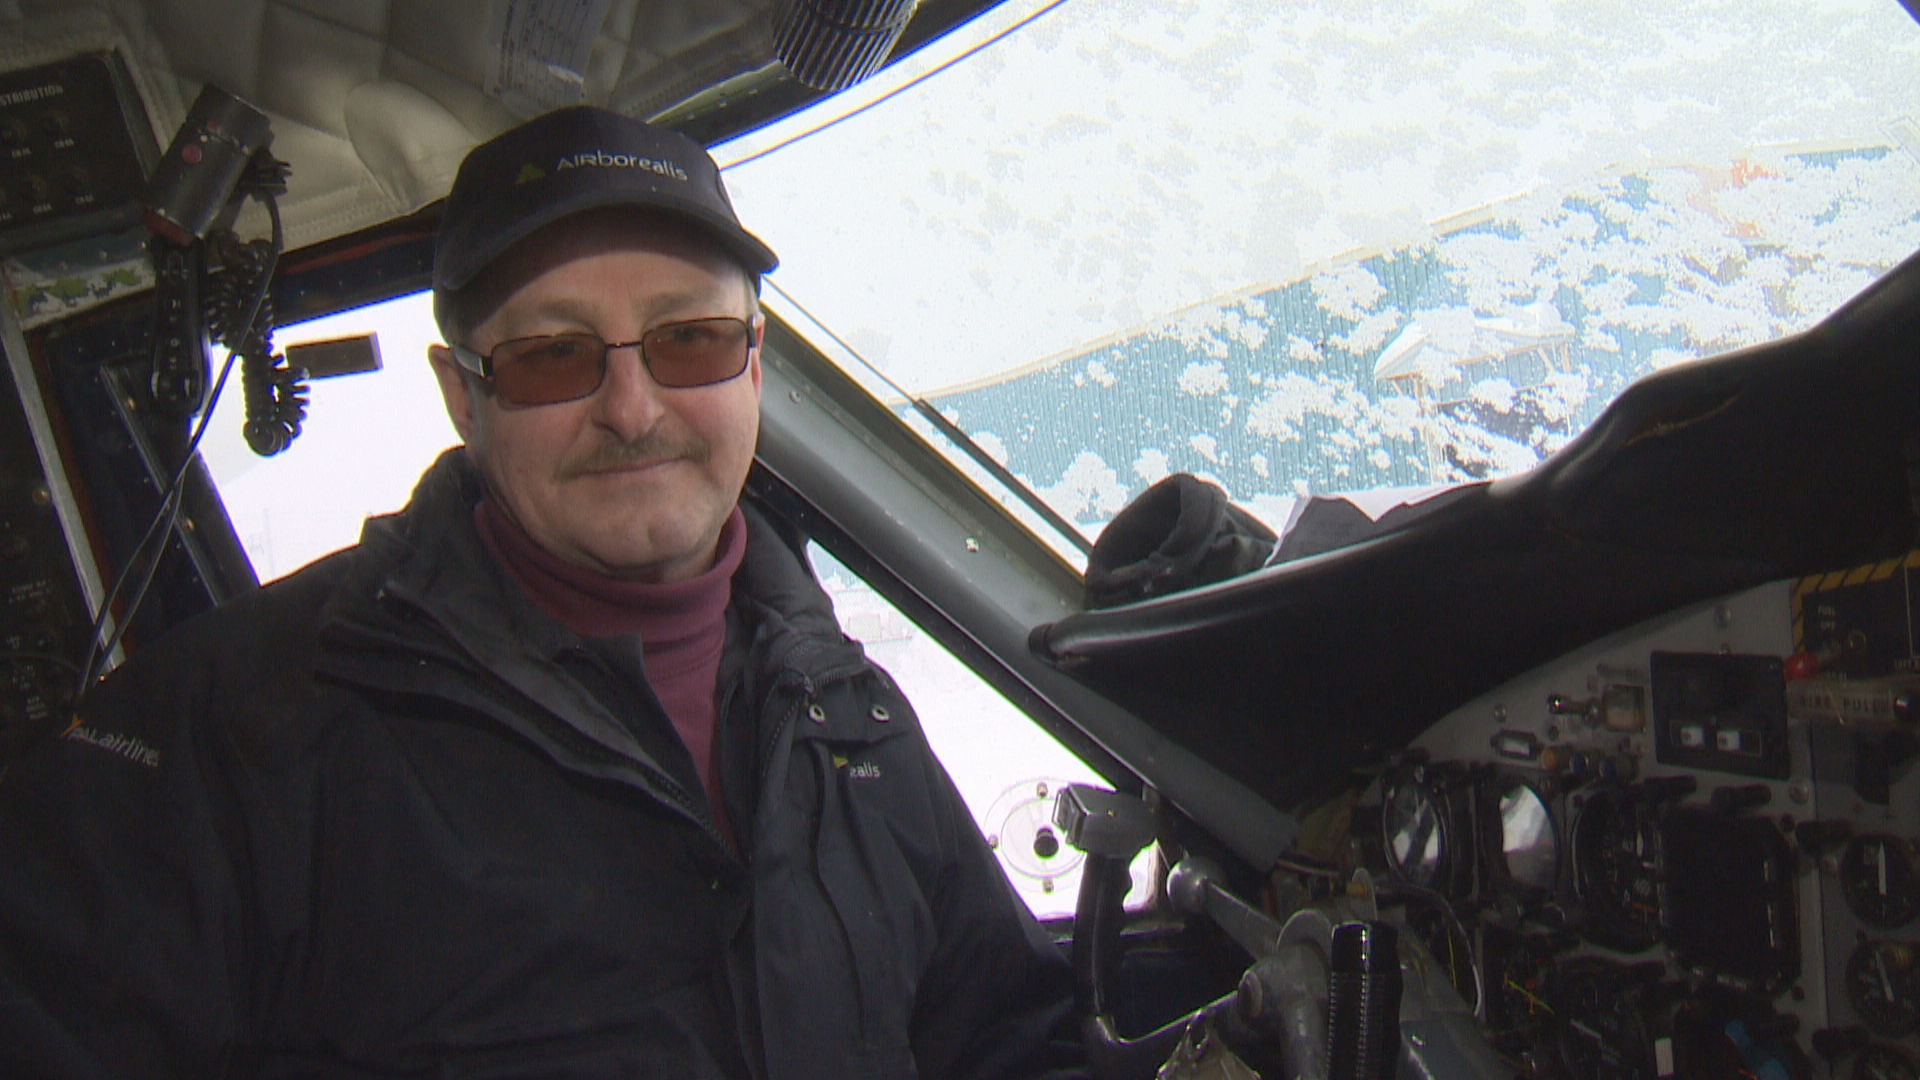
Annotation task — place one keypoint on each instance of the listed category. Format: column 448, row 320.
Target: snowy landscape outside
column 1325, row 248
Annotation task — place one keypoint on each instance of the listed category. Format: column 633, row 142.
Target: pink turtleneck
column 681, row 625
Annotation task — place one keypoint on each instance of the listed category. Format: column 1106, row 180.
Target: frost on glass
column 1468, row 356
column 1324, row 247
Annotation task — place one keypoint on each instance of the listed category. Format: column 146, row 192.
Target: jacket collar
column 430, row 556
column 423, row 586
column 422, row 580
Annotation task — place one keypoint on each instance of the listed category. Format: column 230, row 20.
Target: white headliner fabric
column 374, row 102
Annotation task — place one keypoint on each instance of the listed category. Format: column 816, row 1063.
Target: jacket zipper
column 658, row 784
column 791, row 671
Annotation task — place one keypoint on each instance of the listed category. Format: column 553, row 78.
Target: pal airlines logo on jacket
column 131, row 747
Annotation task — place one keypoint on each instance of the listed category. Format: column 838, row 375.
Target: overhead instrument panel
column 77, row 151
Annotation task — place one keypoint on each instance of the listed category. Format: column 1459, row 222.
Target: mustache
column 656, row 446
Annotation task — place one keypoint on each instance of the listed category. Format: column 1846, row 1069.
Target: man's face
column 636, row 479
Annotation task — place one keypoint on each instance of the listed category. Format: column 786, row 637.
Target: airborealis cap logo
column 604, row 160
column 568, row 161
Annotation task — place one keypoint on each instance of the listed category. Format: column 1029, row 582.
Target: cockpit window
column 1301, row 249
column 1295, row 249
column 367, row 440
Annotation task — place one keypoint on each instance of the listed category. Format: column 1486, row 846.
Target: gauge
column 1414, row 822
column 1882, row 987
column 1882, row 1062
column 1879, row 880
column 1426, row 822
column 1615, row 846
column 1528, row 845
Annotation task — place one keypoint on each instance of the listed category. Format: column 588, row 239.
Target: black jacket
column 386, row 818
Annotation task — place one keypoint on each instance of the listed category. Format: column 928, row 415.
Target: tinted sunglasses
column 566, row 367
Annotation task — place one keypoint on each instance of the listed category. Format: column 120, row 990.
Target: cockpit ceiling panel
column 374, row 102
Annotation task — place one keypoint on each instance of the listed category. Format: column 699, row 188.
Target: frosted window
column 1314, row 248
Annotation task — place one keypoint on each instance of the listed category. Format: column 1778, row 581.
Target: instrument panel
column 1685, row 851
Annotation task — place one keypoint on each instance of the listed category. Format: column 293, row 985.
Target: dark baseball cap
column 575, row 159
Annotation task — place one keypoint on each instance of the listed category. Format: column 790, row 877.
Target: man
column 552, row 774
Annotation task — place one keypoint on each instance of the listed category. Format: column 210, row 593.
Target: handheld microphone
column 198, row 176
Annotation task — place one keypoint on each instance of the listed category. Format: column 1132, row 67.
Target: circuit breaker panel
column 45, row 605
column 101, row 505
